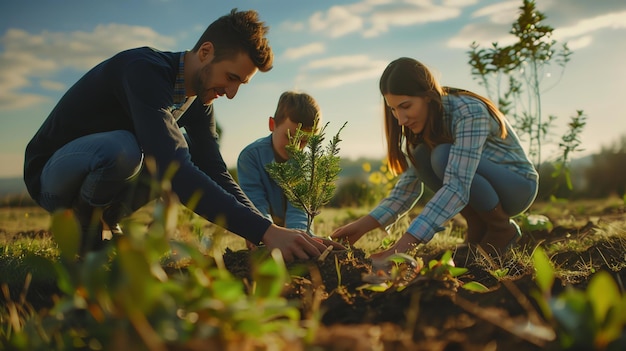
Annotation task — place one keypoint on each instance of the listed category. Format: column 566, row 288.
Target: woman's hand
column 406, row 243
column 353, row 231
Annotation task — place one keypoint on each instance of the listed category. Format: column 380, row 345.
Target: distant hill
column 12, row 186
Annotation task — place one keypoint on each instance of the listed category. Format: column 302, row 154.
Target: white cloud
column 502, row 12
column 52, row 85
column 459, row 3
column 336, row 22
column 381, row 21
column 580, row 42
column 290, row 26
column 15, row 68
column 340, row 70
column 25, row 56
column 483, row 34
column 590, row 25
column 306, row 50
column 371, row 18
column 577, row 35
column 14, row 101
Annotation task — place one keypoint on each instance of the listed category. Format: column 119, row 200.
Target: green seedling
column 405, row 269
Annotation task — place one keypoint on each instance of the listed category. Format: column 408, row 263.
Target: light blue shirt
column 263, row 191
column 476, row 134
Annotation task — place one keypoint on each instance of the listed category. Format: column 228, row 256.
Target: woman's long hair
column 407, row 76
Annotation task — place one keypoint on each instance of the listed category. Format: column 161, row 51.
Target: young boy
column 293, row 109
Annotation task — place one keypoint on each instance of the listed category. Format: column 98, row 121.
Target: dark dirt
column 433, row 314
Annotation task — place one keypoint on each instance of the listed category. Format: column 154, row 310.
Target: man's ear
column 206, row 52
column 271, row 123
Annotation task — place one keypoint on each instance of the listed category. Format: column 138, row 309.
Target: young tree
column 525, row 63
column 309, row 175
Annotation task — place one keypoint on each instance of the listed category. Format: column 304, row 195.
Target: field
column 340, row 303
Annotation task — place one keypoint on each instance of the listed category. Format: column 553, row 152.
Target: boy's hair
column 239, row 31
column 299, row 108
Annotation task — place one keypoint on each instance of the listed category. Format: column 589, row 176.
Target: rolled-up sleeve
column 404, row 195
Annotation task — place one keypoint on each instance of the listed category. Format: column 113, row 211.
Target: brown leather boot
column 476, row 228
column 502, row 231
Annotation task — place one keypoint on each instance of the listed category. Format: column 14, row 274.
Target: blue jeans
column 96, row 169
column 492, row 184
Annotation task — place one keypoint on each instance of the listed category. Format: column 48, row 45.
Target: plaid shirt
column 179, row 84
column 476, row 134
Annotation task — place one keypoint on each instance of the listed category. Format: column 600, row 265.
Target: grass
column 23, row 233
column 15, row 219
column 30, row 221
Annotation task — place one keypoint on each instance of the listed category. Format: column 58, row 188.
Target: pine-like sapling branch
column 308, row 177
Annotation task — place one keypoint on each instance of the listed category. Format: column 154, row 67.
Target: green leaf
column 401, row 257
column 270, row 276
column 534, row 222
column 142, row 288
column 544, row 274
column 446, row 258
column 95, row 273
column 228, row 291
column 66, row 231
column 572, row 311
column 500, row 273
column 457, row 271
column 475, row 287
column 382, row 287
column 64, row 279
column 603, row 294
column 542, row 302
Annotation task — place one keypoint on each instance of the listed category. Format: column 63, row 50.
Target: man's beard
column 203, row 76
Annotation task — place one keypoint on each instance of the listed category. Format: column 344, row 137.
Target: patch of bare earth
column 439, row 314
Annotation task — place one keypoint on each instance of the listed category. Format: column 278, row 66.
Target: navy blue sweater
column 128, row 92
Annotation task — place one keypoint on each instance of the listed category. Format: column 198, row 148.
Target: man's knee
column 124, row 154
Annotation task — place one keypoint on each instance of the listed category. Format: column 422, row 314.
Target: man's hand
column 250, row 245
column 292, row 243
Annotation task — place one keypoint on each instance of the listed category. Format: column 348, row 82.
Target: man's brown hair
column 239, row 31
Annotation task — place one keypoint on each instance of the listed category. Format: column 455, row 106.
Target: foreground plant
column 308, row 177
column 123, row 298
column 591, row 319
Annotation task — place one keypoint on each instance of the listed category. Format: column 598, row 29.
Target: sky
column 333, row 50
